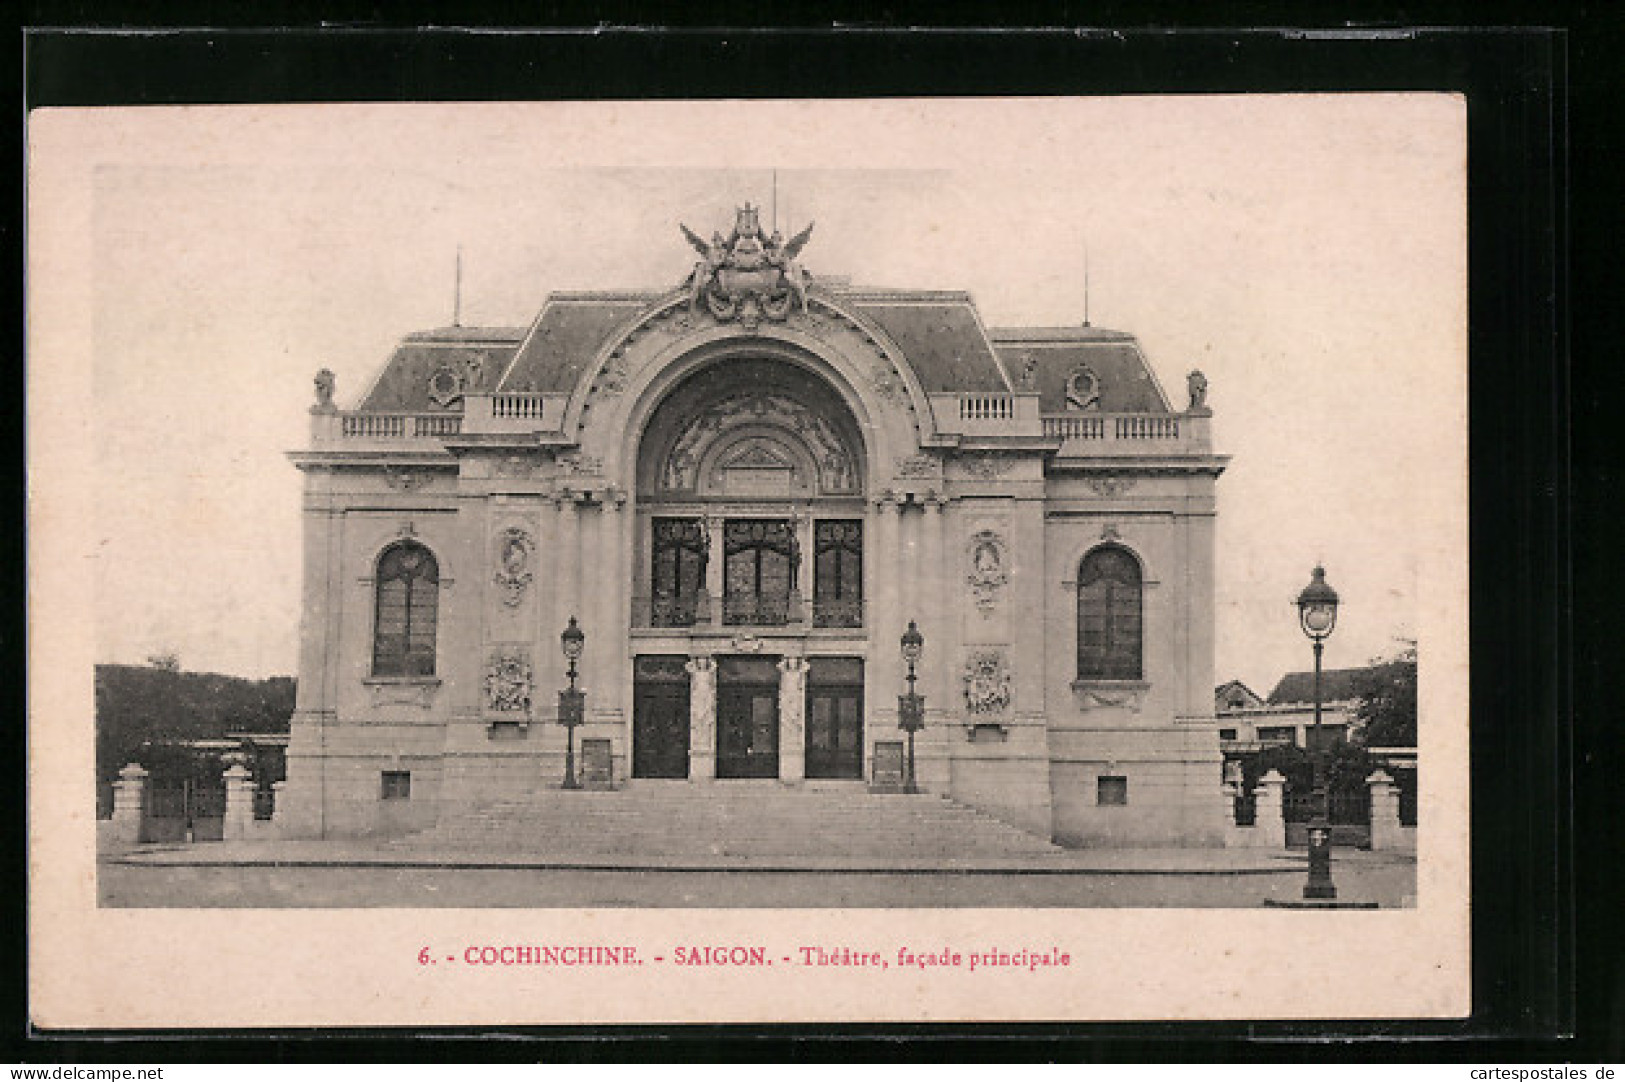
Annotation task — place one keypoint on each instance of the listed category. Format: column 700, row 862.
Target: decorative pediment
column 756, row 455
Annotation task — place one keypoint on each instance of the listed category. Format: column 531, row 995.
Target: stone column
column 702, row 718
column 1269, row 820
column 885, row 621
column 793, row 718
column 716, row 557
column 1385, row 828
column 933, row 768
column 611, row 582
column 239, row 803
column 548, row 583
column 569, row 565
column 128, row 793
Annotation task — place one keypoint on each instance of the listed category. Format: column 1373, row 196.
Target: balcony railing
column 704, row 612
column 842, row 613
column 1104, row 427
column 398, row 426
column 667, row 611
column 757, row 610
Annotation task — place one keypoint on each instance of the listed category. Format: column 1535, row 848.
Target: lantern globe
column 572, row 639
column 1317, row 606
column 913, row 643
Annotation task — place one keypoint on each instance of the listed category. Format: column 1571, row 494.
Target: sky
column 1306, row 252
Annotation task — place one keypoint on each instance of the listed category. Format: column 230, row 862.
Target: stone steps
column 724, row 820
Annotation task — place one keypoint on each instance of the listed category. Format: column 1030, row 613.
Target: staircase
column 730, row 820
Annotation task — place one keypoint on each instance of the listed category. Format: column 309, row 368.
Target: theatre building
column 743, row 490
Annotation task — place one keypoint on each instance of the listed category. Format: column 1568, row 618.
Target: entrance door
column 660, row 720
column 835, row 718
column 747, row 718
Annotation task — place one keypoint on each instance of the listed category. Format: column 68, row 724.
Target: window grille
column 408, row 600
column 1109, row 601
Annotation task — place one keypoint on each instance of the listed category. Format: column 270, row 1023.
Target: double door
column 747, row 718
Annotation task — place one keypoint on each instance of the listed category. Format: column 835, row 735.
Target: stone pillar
column 549, row 582
column 1385, row 829
column 716, row 557
column 607, row 610
column 569, row 566
column 128, row 794
column 276, row 802
column 885, row 620
column 239, row 803
column 1269, row 820
column 932, row 768
column 702, row 718
column 793, row 718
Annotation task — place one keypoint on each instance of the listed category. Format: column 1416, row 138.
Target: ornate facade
column 744, row 489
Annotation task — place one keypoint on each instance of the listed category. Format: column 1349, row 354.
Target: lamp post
column 1317, row 613
column 571, row 701
column 911, row 707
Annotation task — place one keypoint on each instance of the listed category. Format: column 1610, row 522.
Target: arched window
column 1109, row 616
column 408, row 590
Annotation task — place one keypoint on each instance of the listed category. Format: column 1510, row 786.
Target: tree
column 1386, row 716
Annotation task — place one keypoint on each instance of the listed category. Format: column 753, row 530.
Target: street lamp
column 911, row 707
column 1317, row 613
column 571, row 701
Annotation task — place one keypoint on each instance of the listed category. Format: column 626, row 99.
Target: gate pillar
column 239, row 803
column 128, row 794
column 1269, row 815
column 1385, row 828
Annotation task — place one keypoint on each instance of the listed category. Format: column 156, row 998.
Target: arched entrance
column 750, row 572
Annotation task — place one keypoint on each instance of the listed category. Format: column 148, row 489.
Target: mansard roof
column 940, row 334
column 479, row 354
column 1125, row 381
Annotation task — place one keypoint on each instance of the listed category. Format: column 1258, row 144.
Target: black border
column 1516, row 82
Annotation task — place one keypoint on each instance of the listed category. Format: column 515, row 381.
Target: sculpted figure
column 324, row 391
column 1197, row 384
column 712, row 256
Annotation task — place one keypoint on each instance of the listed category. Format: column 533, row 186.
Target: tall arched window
column 1109, row 616
column 408, row 588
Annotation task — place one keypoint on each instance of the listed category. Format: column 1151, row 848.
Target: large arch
column 749, row 426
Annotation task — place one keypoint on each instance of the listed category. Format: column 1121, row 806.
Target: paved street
column 1389, row 881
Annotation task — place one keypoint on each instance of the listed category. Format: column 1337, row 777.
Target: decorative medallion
column 1111, row 486
column 987, row 682
column 747, row 644
column 1083, row 389
column 507, row 681
column 986, row 466
column 446, row 385
column 917, row 466
column 748, row 275
column 514, row 548
column 987, row 575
